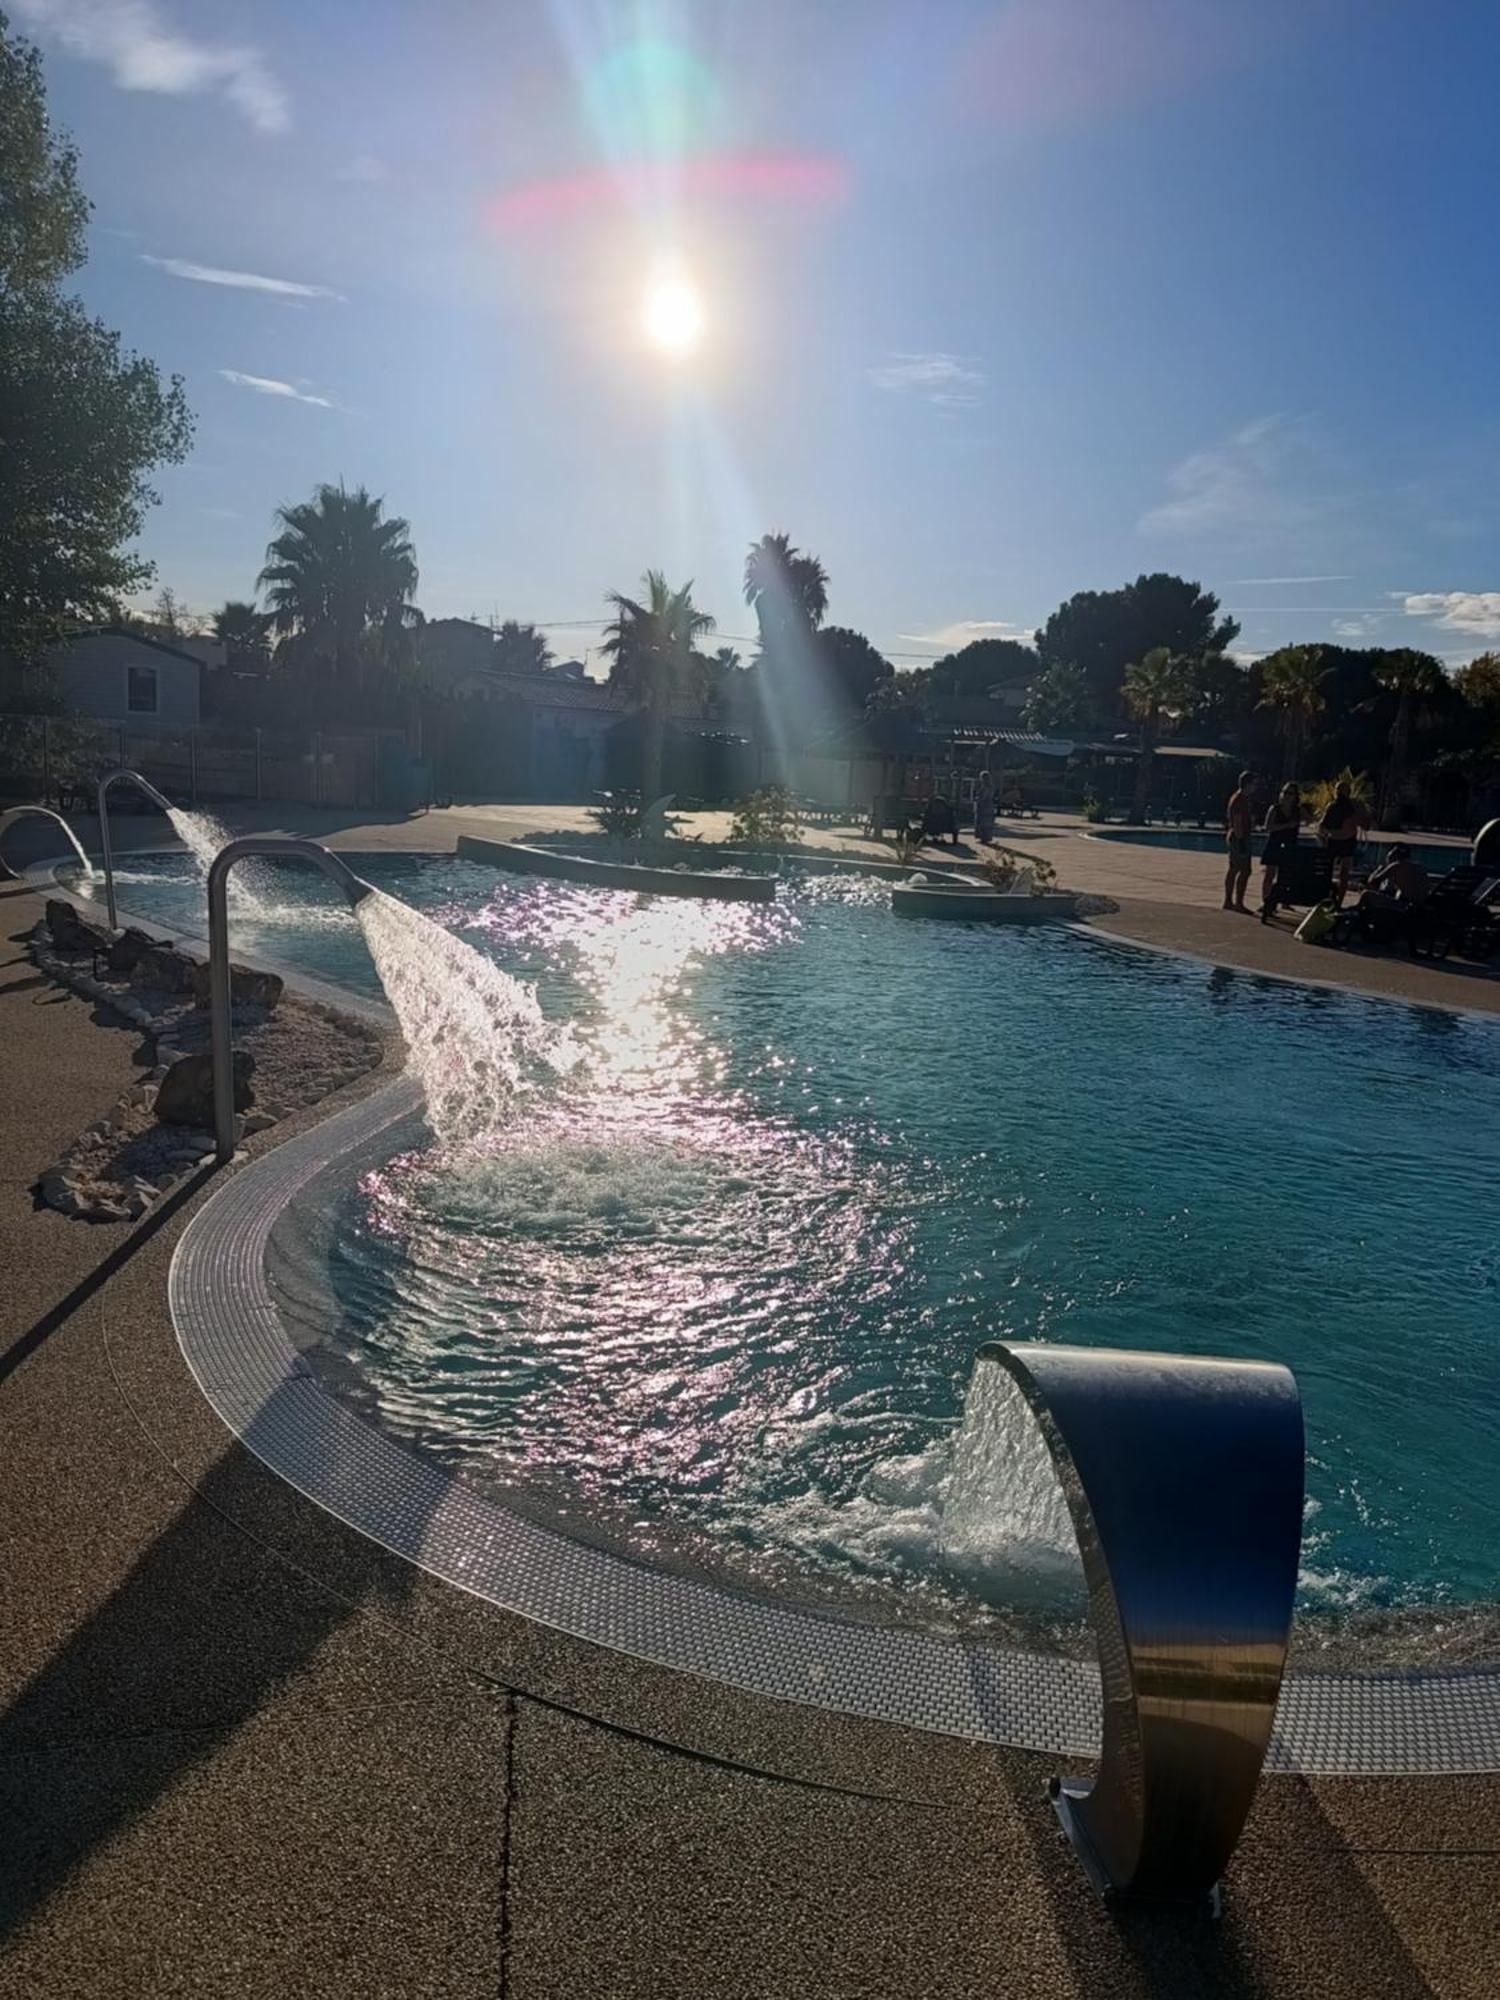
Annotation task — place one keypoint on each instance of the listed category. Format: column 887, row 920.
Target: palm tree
column 339, row 580
column 726, row 659
column 1416, row 680
column 1154, row 685
column 1292, row 683
column 521, row 649
column 788, row 592
column 652, row 647
column 241, row 630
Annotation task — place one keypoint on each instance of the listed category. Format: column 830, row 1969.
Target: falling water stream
column 203, row 836
column 475, row 1037
column 1004, row 1514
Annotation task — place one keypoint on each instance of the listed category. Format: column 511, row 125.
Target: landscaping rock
column 186, row 1093
column 164, row 969
column 247, row 987
column 71, row 932
column 128, row 949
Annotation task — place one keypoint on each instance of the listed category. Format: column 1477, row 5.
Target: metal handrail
column 220, row 1023
column 1184, row 1480
column 13, row 813
column 114, row 778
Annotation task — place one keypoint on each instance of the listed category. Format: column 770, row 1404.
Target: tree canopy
column 1101, row 631
column 82, row 422
column 854, row 666
column 971, row 672
column 521, row 649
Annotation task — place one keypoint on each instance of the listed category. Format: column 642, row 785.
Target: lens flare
column 672, row 316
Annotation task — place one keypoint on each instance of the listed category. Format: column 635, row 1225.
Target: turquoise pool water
column 1433, row 857
column 719, row 1287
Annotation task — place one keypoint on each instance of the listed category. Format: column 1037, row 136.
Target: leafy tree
column 521, row 649
column 1058, row 699
column 1155, row 686
column 1102, row 631
column 1478, row 685
column 1418, row 682
column 339, row 580
column 1292, row 682
column 244, row 633
column 652, row 646
column 1220, row 692
column 43, row 212
column 81, row 422
column 853, row 664
column 984, row 664
column 726, row 659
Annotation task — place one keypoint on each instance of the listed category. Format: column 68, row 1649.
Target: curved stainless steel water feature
column 13, row 813
column 1183, row 1478
column 142, row 784
column 222, row 1027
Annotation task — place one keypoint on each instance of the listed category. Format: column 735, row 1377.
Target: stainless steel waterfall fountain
column 110, row 779
column 221, row 1024
column 13, row 813
column 1184, row 1480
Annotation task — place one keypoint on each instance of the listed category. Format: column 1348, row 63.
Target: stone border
column 525, row 860
column 232, row 1339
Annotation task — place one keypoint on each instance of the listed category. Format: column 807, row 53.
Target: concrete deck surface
column 243, row 1751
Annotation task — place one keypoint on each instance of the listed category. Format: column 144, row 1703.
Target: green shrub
column 768, row 818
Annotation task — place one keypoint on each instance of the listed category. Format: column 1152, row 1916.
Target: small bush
column 1002, row 867
column 1094, row 809
column 1318, row 797
column 618, row 815
column 768, row 818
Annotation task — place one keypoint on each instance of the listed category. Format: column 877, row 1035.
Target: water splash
column 1004, row 1513
column 475, row 1037
column 203, row 836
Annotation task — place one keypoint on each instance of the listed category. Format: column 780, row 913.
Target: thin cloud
column 363, row 167
column 267, row 385
column 964, row 631
column 1255, row 486
column 1475, row 613
column 142, row 51
column 942, row 379
column 242, row 281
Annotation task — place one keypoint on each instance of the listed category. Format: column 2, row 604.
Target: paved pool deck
column 243, row 1751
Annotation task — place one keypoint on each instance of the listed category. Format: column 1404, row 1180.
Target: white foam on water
column 475, row 1037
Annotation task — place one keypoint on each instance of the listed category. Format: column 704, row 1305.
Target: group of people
column 1399, row 885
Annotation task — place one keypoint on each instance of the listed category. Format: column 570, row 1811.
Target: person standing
column 1339, row 829
column 1283, row 823
column 1239, row 829
column 984, row 810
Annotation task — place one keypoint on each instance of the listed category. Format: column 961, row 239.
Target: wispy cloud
column 363, row 167
column 963, row 631
column 1475, row 613
column 939, row 378
column 1240, row 486
column 267, row 385
column 243, row 281
column 143, row 51
column 1361, row 627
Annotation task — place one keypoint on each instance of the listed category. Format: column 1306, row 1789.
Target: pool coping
column 1416, row 1723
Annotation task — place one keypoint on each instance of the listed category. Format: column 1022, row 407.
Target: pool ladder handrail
column 1183, row 1476
column 221, row 1026
column 106, row 783
column 13, row 813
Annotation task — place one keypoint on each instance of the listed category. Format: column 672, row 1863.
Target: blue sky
column 1001, row 300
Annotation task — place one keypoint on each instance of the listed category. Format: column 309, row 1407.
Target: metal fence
column 49, row 757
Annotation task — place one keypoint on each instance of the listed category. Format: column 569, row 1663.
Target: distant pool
column 1437, row 860
column 715, row 1298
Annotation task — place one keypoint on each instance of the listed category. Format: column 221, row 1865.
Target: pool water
column 1436, row 859
column 719, row 1284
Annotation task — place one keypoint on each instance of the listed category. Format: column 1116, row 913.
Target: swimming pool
column 1436, row 859
column 713, row 1296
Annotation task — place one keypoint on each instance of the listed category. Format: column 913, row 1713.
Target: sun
column 672, row 316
